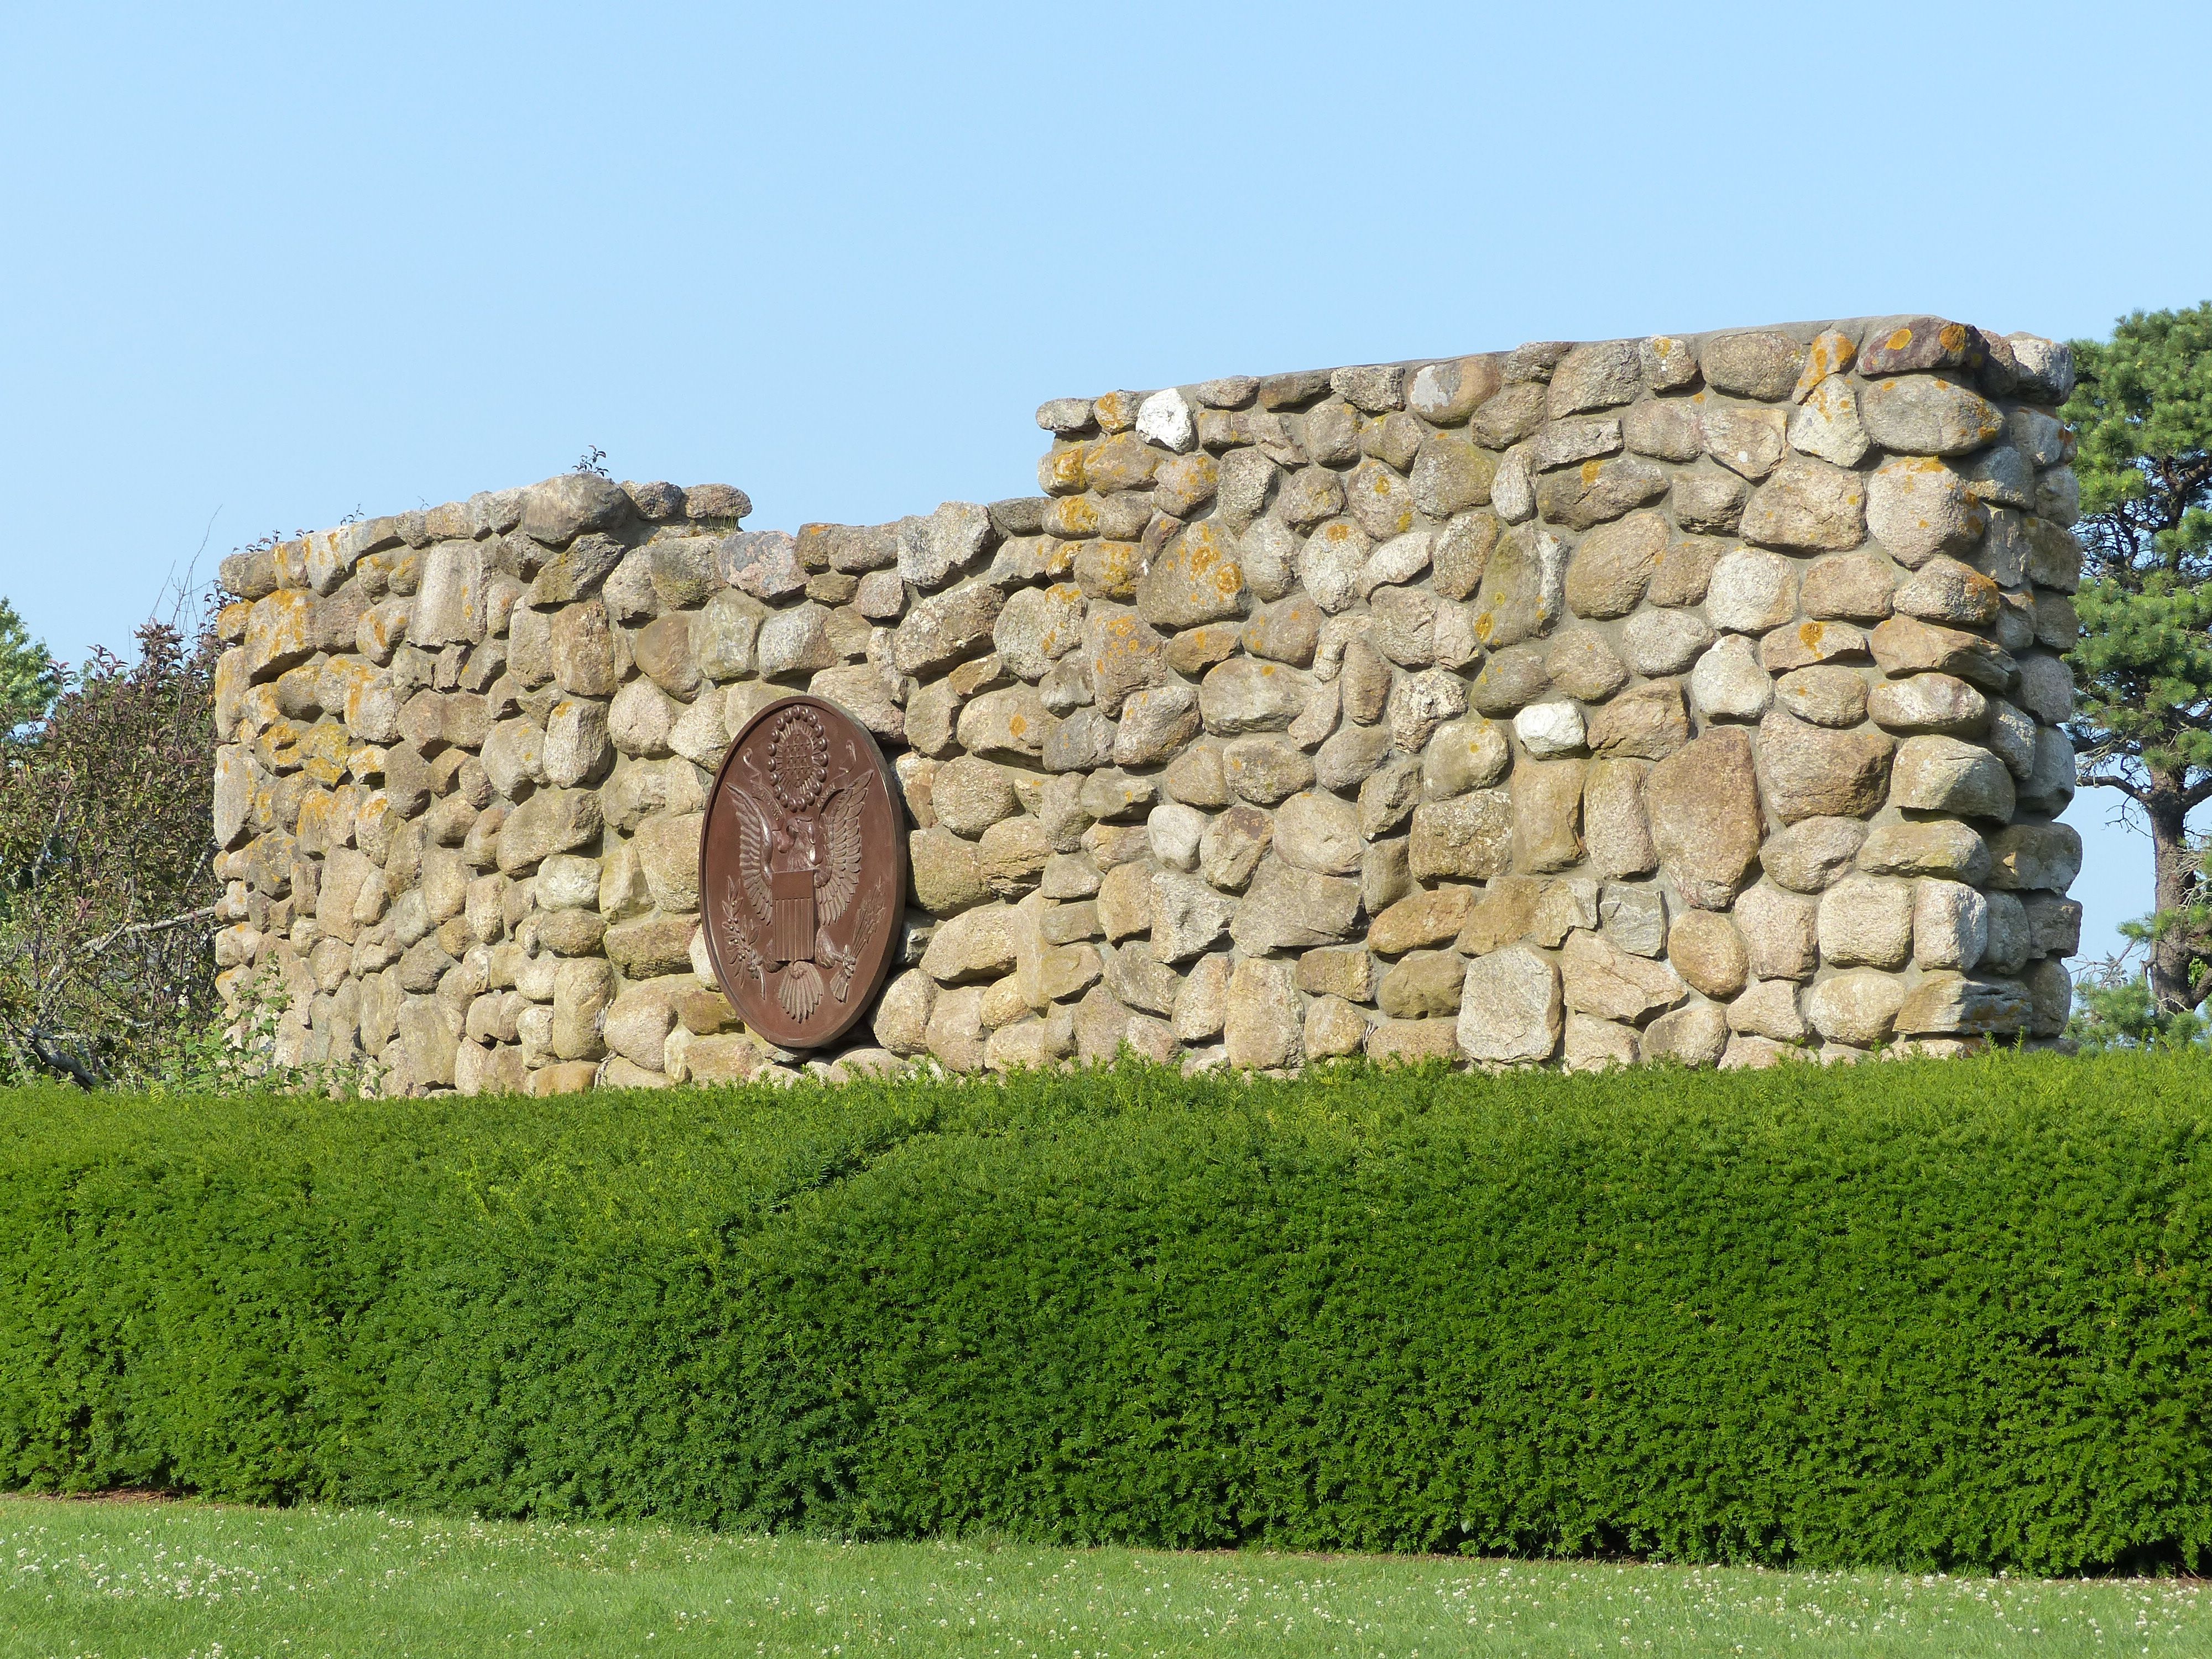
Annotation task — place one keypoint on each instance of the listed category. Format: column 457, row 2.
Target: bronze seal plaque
column 802, row 873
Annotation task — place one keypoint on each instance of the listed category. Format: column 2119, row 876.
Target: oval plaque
column 802, row 873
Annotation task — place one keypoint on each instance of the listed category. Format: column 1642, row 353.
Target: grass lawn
column 126, row 1580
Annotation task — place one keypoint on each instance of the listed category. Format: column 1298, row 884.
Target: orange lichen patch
column 347, row 678
column 1898, row 339
column 1831, row 353
column 277, row 746
column 1953, row 336
column 1116, row 412
column 1107, row 570
column 323, row 753
column 1590, row 472
column 1059, row 637
column 1811, row 635
column 319, row 815
column 1198, row 648
column 1123, row 639
column 369, row 822
column 1210, row 560
column 1073, row 517
column 1061, row 472
column 279, row 632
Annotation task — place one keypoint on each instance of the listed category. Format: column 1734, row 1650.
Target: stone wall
column 1693, row 697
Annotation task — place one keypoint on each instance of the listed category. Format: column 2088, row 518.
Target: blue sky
column 265, row 264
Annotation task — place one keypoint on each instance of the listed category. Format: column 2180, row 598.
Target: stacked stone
column 1681, row 697
column 465, row 755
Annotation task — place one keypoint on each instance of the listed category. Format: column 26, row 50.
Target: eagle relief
column 802, row 871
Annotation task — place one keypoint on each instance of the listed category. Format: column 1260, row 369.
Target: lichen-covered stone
column 1579, row 497
column 1196, row 579
column 1747, row 441
column 1523, row 589
column 1268, row 769
column 1824, row 695
column 931, row 551
column 1463, row 755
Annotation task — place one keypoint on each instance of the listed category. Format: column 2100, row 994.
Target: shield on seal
column 802, row 873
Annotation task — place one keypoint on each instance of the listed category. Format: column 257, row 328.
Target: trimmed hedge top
column 1933, row 1314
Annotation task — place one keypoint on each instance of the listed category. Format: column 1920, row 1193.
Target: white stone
column 1550, row 728
column 1174, row 830
column 1729, row 683
column 1164, row 419
column 567, row 882
column 1751, row 590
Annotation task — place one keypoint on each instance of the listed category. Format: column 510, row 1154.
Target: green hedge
column 1928, row 1314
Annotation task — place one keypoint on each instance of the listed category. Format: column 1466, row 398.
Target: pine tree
column 2142, row 407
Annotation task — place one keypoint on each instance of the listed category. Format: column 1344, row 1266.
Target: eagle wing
column 841, row 828
column 741, row 942
column 752, row 852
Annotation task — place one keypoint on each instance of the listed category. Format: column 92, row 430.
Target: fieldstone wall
column 1689, row 697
